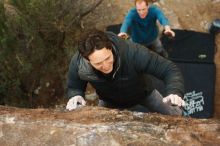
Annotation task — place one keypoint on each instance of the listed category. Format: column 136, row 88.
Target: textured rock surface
column 93, row 126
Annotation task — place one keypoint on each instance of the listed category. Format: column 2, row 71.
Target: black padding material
column 186, row 46
column 190, row 46
column 199, row 80
column 114, row 28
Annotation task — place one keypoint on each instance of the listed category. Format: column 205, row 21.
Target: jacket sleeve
column 146, row 61
column 127, row 21
column 160, row 16
column 75, row 86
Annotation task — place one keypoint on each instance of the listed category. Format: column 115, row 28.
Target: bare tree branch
column 92, row 8
column 81, row 15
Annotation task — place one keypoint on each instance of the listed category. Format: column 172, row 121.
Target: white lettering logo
column 194, row 102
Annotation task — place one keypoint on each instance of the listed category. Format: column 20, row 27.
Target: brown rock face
column 95, row 126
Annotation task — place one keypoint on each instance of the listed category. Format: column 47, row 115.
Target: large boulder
column 95, row 126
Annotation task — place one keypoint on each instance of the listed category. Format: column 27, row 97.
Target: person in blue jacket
column 117, row 69
column 142, row 23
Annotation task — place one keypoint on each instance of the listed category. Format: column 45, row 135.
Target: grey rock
column 96, row 126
